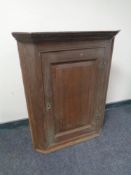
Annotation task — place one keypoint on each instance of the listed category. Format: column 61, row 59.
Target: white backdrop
column 61, row 15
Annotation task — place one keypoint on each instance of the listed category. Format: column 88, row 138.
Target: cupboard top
column 63, row 36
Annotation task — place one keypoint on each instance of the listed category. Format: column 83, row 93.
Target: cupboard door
column 72, row 82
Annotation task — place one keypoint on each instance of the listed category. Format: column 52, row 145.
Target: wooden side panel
column 32, row 78
column 101, row 98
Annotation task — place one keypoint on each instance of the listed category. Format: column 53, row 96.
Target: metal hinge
column 102, row 65
column 97, row 116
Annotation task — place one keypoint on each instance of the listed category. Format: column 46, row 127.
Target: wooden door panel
column 71, row 78
column 73, row 88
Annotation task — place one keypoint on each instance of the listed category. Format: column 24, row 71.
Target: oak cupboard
column 65, row 76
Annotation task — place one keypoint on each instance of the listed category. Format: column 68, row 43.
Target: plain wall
column 61, row 15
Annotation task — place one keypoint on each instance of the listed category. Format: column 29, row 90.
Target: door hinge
column 102, row 65
column 97, row 116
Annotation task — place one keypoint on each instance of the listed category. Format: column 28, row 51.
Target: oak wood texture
column 65, row 76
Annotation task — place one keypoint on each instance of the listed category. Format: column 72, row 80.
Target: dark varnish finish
column 65, row 76
column 63, row 36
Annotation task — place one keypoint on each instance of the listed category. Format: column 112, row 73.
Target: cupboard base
column 68, row 144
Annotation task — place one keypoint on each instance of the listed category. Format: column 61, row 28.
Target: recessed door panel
column 73, row 86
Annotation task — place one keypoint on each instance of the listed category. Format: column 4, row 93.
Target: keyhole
column 48, row 106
